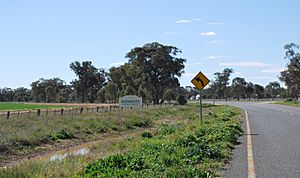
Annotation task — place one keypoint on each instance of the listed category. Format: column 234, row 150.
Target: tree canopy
column 90, row 80
column 291, row 75
column 157, row 67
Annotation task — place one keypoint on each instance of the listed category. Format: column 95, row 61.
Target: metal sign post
column 200, row 93
column 200, row 81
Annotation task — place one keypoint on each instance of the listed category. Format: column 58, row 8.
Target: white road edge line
column 251, row 169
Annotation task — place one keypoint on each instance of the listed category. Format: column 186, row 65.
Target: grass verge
column 289, row 103
column 171, row 146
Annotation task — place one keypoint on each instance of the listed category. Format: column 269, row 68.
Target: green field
column 10, row 106
column 154, row 142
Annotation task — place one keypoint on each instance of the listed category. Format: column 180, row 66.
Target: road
column 275, row 137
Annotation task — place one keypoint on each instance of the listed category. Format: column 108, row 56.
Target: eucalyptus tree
column 22, row 94
column 90, row 80
column 46, row 90
column 239, row 87
column 249, row 90
column 273, row 89
column 111, row 92
column 258, row 91
column 221, row 82
column 291, row 75
column 158, row 66
column 6, row 94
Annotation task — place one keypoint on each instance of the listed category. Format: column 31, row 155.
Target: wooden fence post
column 8, row 114
column 62, row 112
column 38, row 112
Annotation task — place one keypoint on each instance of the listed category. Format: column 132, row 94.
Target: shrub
column 181, row 100
column 147, row 134
column 62, row 134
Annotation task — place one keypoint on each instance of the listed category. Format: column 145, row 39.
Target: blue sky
column 39, row 39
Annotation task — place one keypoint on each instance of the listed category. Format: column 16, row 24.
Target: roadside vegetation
column 156, row 142
column 289, row 103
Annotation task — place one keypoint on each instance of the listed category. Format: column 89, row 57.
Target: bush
column 147, row 134
column 181, row 100
column 62, row 134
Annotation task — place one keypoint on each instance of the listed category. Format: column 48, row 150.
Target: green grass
column 165, row 142
column 289, row 103
column 21, row 135
column 10, row 106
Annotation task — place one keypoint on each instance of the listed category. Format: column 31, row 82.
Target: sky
column 39, row 39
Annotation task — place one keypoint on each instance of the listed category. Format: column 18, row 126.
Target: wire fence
column 67, row 111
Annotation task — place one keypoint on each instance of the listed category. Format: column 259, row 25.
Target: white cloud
column 197, row 19
column 208, row 34
column 214, row 57
column 220, row 42
column 273, row 70
column 215, row 23
column 173, row 33
column 245, row 64
column 183, row 21
column 189, row 20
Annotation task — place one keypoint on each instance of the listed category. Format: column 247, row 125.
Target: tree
column 65, row 95
column 159, row 67
column 90, row 80
column 50, row 94
column 169, row 95
column 127, row 75
column 258, row 91
column 181, row 100
column 22, row 94
column 273, row 89
column 101, row 95
column 239, row 86
column 291, row 75
column 129, row 90
column 46, row 90
column 6, row 94
column 111, row 92
column 221, row 82
column 249, row 90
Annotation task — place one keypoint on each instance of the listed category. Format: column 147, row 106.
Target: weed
column 147, row 134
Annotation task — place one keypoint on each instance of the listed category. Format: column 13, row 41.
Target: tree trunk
column 82, row 96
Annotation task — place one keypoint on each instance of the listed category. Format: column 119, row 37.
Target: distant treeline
column 152, row 73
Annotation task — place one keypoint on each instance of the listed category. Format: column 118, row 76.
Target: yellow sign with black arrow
column 200, row 81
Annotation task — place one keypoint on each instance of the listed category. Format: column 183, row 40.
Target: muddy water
column 78, row 152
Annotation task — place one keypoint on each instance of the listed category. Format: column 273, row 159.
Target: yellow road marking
column 251, row 170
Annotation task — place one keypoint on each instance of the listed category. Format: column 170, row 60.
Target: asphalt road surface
column 275, row 136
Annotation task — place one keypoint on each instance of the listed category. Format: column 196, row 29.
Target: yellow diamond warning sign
column 200, row 81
